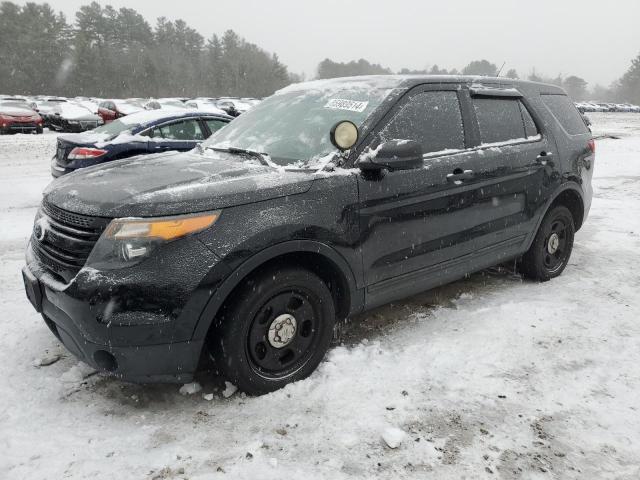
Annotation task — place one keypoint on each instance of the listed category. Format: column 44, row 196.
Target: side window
column 563, row 109
column 499, row 119
column 152, row 133
column 432, row 119
column 185, row 130
column 530, row 128
column 214, row 124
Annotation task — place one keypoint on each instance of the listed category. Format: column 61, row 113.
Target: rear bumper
column 57, row 170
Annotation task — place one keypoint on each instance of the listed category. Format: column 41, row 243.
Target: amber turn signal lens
column 164, row 229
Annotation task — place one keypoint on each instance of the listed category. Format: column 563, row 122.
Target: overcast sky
column 592, row 39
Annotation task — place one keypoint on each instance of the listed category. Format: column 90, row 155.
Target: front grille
column 63, row 240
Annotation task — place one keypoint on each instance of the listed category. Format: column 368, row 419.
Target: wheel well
column 573, row 202
column 326, row 269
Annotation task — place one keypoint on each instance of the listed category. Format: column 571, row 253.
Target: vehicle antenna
column 500, row 71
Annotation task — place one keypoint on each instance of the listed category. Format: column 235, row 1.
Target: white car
column 203, row 104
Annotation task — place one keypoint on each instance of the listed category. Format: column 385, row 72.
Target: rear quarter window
column 566, row 113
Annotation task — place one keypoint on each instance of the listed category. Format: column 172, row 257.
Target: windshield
column 129, row 107
column 15, row 104
column 113, row 128
column 293, row 127
column 173, row 103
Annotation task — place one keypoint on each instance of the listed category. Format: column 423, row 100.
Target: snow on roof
column 344, row 83
column 395, row 81
column 148, row 116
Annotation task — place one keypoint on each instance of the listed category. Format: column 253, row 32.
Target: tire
column 39, row 130
column 275, row 330
column 552, row 246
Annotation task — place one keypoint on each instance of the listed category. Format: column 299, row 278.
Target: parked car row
column 80, row 114
column 606, row 107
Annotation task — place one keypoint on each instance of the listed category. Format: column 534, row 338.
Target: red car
column 17, row 117
column 110, row 110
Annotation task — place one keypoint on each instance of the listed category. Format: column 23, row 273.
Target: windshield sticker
column 342, row 104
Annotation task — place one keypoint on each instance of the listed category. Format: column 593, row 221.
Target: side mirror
column 393, row 155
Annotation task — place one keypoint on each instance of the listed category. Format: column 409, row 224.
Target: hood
column 75, row 112
column 172, row 183
column 16, row 112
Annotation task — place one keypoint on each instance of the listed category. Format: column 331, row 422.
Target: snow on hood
column 172, row 183
column 72, row 111
column 17, row 112
column 128, row 108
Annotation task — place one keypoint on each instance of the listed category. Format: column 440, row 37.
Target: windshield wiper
column 262, row 157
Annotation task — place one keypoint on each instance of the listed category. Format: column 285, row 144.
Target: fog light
column 105, row 360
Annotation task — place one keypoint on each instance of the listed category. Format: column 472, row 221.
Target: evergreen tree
column 512, row 73
column 481, row 67
column 576, row 87
column 116, row 53
column 628, row 87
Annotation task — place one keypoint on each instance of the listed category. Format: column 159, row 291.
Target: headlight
column 127, row 241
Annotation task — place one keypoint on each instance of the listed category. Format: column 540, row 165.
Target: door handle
column 459, row 175
column 544, row 157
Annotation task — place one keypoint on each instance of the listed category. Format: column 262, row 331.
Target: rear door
column 179, row 135
column 516, row 156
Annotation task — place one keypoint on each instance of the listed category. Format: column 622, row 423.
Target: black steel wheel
column 275, row 330
column 552, row 246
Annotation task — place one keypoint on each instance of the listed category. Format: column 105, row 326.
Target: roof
column 408, row 81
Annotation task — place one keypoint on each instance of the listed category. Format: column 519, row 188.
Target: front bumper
column 81, row 125
column 20, row 127
column 117, row 326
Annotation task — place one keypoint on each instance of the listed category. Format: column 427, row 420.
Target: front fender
column 227, row 286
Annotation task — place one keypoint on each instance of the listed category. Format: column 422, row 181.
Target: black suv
column 327, row 199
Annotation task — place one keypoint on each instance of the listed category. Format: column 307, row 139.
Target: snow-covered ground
column 489, row 377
